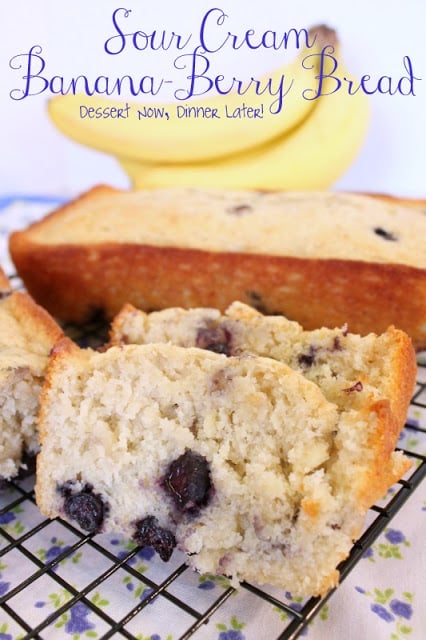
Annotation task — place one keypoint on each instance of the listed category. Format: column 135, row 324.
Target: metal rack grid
column 113, row 555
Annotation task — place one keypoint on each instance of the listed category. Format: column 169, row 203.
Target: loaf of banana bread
column 321, row 258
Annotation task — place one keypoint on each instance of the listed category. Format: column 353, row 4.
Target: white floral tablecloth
column 383, row 597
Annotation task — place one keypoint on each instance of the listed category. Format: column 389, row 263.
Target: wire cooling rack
column 104, row 587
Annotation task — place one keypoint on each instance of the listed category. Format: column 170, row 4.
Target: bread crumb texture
column 368, row 368
column 239, row 461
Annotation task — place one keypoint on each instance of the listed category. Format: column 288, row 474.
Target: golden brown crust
column 390, row 414
column 414, row 203
column 33, row 319
column 4, row 282
column 62, row 348
column 115, row 328
column 404, row 365
column 384, row 469
column 76, row 282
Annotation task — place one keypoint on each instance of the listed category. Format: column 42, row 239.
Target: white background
column 376, row 34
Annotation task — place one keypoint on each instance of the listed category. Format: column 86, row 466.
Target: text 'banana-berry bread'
column 352, row 371
column 27, row 334
column 240, row 462
column 321, row 258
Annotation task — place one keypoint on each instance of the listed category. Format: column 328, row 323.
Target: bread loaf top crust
column 305, row 225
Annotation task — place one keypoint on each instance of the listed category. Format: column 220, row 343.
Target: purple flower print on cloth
column 55, row 550
column 207, row 585
column 231, row 634
column 4, row 587
column 393, row 611
column 208, row 582
column 390, row 546
column 368, row 553
column 382, row 612
column 401, row 609
column 394, row 536
column 145, row 553
column 78, row 622
column 7, row 518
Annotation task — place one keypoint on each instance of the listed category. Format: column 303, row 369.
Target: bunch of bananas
column 308, row 144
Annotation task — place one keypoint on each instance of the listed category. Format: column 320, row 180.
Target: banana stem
column 323, row 35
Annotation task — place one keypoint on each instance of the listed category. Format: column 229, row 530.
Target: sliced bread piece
column 352, row 371
column 238, row 461
column 27, row 335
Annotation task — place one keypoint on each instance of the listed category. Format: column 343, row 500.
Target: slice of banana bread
column 27, row 334
column 238, row 461
column 352, row 371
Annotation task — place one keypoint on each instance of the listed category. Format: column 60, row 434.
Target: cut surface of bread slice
column 352, row 371
column 27, row 334
column 240, row 461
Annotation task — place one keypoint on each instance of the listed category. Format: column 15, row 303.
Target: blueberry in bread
column 27, row 334
column 238, row 461
column 352, row 371
column 320, row 258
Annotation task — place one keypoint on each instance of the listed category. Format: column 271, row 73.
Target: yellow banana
column 191, row 139
column 312, row 156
